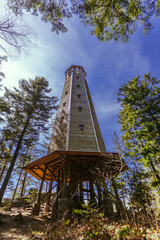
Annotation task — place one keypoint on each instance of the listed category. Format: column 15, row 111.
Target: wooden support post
column 55, row 203
column 58, row 183
column 87, row 187
column 36, row 207
column 92, row 195
column 81, row 193
column 99, row 195
column 63, row 205
column 47, row 208
column 64, row 183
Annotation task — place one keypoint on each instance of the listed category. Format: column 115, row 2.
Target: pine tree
column 140, row 121
column 3, row 104
column 30, row 107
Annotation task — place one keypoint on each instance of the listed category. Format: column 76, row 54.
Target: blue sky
column 108, row 65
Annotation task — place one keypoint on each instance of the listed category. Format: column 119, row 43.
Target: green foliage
column 108, row 19
column 30, row 102
column 141, row 191
column 88, row 211
column 116, row 19
column 94, row 223
column 51, row 11
column 32, row 195
column 140, row 120
column 3, row 104
column 2, row 75
column 97, row 229
column 30, row 110
column 122, row 232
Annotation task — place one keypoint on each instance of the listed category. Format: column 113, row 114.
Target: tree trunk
column 23, row 183
column 14, row 193
column 7, row 160
column 107, row 202
column 155, row 171
column 3, row 169
column 5, row 164
column 15, row 155
column 119, row 204
column 36, row 207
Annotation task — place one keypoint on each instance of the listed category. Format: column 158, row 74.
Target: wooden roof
column 79, row 164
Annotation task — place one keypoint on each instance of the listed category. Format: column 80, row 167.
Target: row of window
column 78, row 95
column 81, row 125
column 70, row 76
column 66, row 92
column 79, row 108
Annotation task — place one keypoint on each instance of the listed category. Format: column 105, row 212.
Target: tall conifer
column 31, row 108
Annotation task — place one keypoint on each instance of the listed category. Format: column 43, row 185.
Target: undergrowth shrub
column 89, row 224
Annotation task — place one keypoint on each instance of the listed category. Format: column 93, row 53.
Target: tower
column 76, row 126
column 77, row 160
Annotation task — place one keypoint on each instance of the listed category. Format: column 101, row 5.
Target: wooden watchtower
column 77, row 155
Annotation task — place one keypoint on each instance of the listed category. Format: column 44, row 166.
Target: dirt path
column 24, row 228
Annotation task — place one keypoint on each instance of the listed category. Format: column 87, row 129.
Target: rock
column 18, row 217
column 47, row 208
column 36, row 209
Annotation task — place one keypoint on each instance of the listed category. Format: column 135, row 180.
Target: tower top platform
column 75, row 67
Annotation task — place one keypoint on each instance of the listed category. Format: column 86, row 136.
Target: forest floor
column 23, row 226
column 20, row 224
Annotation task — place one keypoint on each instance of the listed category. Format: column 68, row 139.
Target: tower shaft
column 76, row 126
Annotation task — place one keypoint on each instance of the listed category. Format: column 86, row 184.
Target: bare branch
column 13, row 34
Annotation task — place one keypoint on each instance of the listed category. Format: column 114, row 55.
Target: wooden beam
column 49, row 191
column 64, row 184
column 36, row 174
column 51, row 173
column 42, row 169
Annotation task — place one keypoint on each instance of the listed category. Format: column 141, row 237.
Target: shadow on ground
column 24, row 228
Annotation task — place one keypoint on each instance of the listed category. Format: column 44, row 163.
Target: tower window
column 79, row 95
column 81, row 126
column 66, row 92
column 77, row 77
column 78, row 86
column 64, row 104
column 80, row 109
